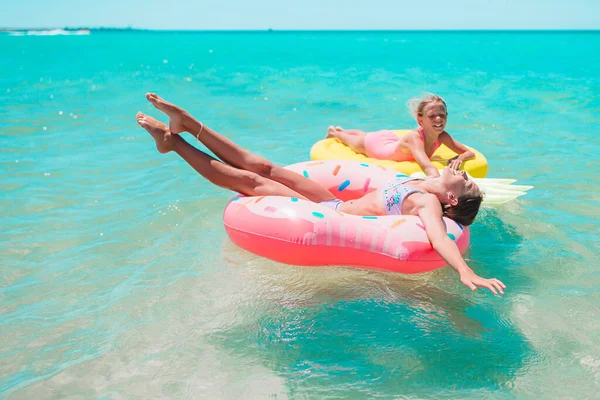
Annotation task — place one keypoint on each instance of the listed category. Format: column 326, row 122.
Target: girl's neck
column 432, row 186
column 429, row 135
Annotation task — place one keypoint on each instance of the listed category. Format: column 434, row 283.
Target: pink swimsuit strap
column 435, row 145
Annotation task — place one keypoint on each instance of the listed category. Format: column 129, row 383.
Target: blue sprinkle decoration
column 401, row 176
column 305, row 174
column 318, row 214
column 462, row 228
column 294, row 199
column 451, row 236
column 364, row 165
column 370, row 217
column 344, row 185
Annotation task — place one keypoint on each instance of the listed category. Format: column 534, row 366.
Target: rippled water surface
column 117, row 278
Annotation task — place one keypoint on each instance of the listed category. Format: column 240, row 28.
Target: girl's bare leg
column 220, row 174
column 231, row 153
column 353, row 138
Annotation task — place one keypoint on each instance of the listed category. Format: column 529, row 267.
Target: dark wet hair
column 465, row 211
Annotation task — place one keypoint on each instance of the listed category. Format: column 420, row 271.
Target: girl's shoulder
column 412, row 135
column 423, row 201
column 444, row 136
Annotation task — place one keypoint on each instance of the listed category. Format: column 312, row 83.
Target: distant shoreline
column 103, row 29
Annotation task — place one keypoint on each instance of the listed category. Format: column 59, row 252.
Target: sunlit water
column 117, row 279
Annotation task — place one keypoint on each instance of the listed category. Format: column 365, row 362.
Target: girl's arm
column 463, row 152
column 418, row 152
column 429, row 210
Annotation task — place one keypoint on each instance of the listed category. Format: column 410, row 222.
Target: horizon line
column 109, row 28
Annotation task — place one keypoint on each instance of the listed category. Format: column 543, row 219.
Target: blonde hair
column 417, row 104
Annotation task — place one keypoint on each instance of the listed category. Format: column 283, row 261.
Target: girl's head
column 465, row 210
column 430, row 112
column 460, row 196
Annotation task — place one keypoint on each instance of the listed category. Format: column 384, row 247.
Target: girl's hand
column 455, row 163
column 473, row 281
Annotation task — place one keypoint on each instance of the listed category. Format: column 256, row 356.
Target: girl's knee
column 259, row 165
column 247, row 182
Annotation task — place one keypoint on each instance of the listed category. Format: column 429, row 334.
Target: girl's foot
column 179, row 119
column 330, row 132
column 158, row 130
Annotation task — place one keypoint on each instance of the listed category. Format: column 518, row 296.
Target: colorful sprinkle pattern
column 300, row 221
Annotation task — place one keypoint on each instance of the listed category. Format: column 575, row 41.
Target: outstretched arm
column 430, row 212
column 418, row 151
column 463, row 152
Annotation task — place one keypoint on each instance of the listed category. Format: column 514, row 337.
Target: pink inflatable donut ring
column 300, row 232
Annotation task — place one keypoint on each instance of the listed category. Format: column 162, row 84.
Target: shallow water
column 117, row 279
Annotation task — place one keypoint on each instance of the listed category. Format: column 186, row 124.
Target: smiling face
column 433, row 117
column 459, row 184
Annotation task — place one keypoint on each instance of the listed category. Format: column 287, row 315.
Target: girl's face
column 459, row 183
column 434, row 117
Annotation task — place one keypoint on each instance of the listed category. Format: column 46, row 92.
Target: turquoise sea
column 117, row 279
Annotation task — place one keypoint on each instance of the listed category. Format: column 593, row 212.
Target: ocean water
column 117, row 279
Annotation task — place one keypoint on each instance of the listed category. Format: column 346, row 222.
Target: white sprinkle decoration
column 44, row 128
column 60, row 113
column 210, row 51
column 16, row 161
column 46, row 173
column 165, row 61
column 266, row 98
column 295, row 109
